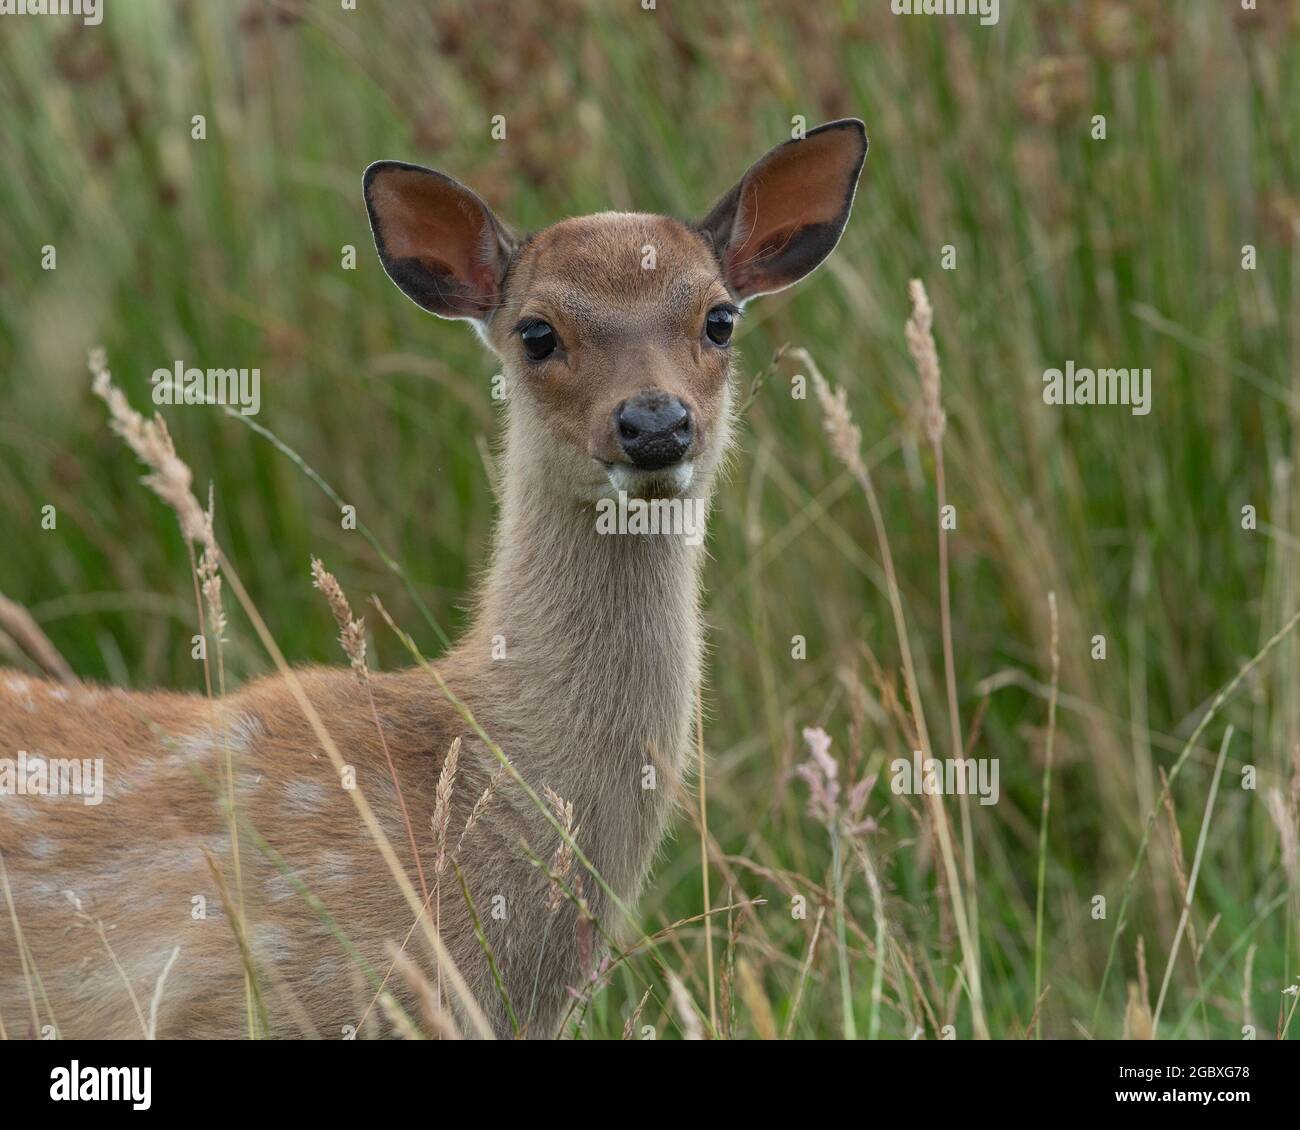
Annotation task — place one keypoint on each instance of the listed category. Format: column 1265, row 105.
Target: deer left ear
column 438, row 240
column 787, row 213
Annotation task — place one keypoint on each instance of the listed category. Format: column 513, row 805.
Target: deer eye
column 539, row 340
column 720, row 322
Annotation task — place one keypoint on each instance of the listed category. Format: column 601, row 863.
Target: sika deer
column 582, row 664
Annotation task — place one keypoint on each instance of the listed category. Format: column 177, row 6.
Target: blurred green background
column 1122, row 251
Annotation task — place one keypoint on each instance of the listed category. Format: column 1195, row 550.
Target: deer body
column 583, row 665
column 557, row 700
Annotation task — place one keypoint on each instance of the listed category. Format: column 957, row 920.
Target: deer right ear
column 789, row 210
column 438, row 241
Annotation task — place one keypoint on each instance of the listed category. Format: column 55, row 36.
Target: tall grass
column 1125, row 251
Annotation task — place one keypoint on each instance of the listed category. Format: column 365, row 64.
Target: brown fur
column 601, row 666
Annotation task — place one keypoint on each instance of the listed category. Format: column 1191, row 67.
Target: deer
column 580, row 668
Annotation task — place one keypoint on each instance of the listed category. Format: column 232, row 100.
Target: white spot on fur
column 41, row 847
column 272, row 944
column 234, row 734
column 306, row 797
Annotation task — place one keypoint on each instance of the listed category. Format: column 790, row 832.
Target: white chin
column 672, row 481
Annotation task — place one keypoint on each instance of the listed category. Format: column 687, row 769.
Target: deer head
column 615, row 330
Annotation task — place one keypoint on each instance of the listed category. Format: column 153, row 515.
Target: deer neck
column 587, row 661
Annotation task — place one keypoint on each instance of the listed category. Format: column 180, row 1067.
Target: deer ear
column 437, row 240
column 786, row 214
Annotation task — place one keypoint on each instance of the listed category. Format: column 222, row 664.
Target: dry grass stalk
column 1247, row 984
column 630, row 1025
column 156, row 999
column 843, row 435
column 562, row 860
column 169, row 478
column 402, row 1025
column 441, row 817
column 821, row 772
column 442, row 803
column 436, row 1019
column 1137, row 1015
column 352, row 636
column 878, row 912
column 1137, row 1010
column 1144, row 981
column 1046, row 802
column 920, row 343
column 1178, row 858
column 1175, row 835
column 1284, row 820
column 208, row 573
column 481, row 805
column 1185, row 916
column 845, row 441
column 97, row 925
column 704, row 857
column 239, row 927
column 28, row 971
column 726, row 995
column 687, row 1016
column 352, row 632
column 756, row 1002
column 804, row 970
column 34, row 643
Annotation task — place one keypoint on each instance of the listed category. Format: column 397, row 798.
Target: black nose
column 654, row 429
